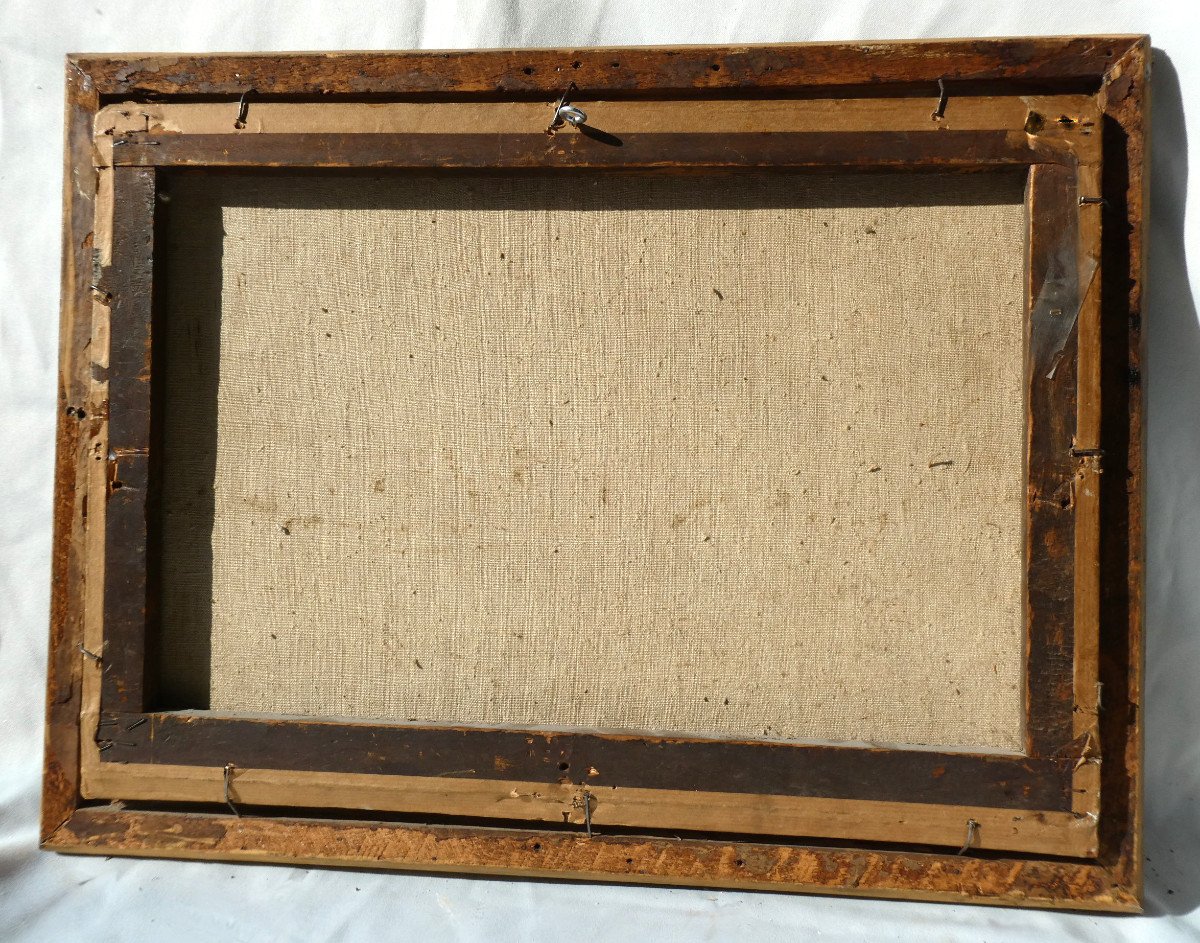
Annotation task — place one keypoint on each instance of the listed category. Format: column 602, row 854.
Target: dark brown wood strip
column 129, row 283
column 843, row 150
column 201, row 739
column 1033, row 63
column 125, row 585
column 1051, row 372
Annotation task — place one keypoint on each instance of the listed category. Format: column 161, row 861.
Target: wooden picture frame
column 1053, row 827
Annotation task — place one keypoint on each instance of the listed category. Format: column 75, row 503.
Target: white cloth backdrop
column 48, row 897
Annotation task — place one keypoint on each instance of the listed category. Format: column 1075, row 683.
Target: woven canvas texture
column 738, row 456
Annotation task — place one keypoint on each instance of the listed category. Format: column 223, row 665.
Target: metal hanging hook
column 564, row 112
column 570, row 114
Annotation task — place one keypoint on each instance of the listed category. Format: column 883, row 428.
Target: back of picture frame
column 696, row 466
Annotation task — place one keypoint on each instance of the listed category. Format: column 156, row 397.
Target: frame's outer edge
column 78, row 423
column 1125, row 99
column 741, row 865
column 1117, row 67
column 679, row 71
